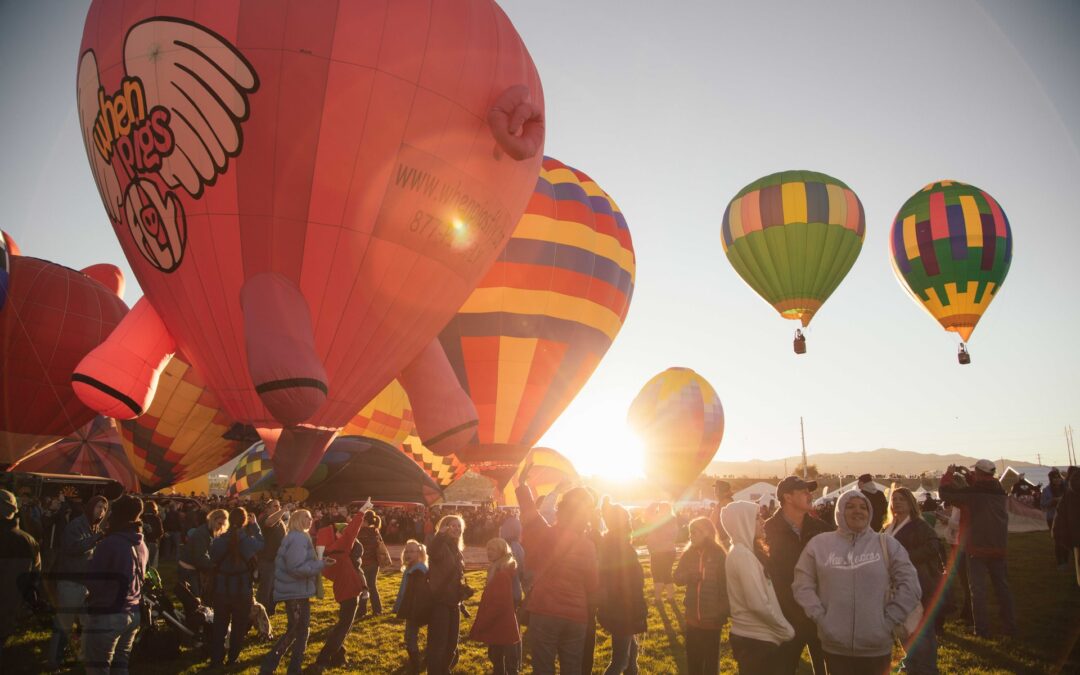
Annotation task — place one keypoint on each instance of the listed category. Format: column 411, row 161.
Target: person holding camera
column 984, row 532
column 448, row 591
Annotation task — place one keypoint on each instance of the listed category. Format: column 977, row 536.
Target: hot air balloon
column 537, row 325
column 93, row 450
column 547, row 472
column 353, row 468
column 387, row 417
column 793, row 236
column 184, row 433
column 951, row 248
column 680, row 420
column 306, row 193
column 50, row 318
column 252, row 473
column 444, row 470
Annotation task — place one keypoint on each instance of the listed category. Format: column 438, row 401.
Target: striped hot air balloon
column 184, row 433
column 680, row 420
column 536, row 327
column 93, row 450
column 951, row 248
column 793, row 236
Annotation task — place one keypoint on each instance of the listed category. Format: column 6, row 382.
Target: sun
column 599, row 442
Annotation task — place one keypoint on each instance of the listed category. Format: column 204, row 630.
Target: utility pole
column 1039, row 455
column 802, row 432
column 1069, row 445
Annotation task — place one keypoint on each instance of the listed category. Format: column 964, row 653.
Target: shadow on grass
column 672, row 630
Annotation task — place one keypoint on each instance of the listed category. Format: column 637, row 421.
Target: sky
column 672, row 108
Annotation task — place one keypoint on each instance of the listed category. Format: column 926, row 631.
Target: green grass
column 1047, row 605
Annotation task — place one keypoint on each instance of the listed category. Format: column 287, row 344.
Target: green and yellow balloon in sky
column 793, row 236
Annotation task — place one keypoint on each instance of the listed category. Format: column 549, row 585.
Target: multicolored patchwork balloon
column 537, row 325
column 93, row 450
column 680, row 420
column 443, row 470
column 793, row 236
column 252, row 473
column 184, row 433
column 951, row 247
column 387, row 417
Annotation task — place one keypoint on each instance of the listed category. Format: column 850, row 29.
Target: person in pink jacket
column 496, row 622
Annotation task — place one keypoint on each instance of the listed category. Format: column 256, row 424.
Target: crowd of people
column 846, row 590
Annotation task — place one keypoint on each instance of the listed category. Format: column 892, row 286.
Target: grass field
column 1047, row 605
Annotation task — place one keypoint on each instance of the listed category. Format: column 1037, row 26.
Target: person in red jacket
column 496, row 622
column 348, row 586
column 563, row 561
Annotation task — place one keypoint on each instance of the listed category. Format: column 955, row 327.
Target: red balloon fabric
column 52, row 318
column 93, row 450
column 307, row 192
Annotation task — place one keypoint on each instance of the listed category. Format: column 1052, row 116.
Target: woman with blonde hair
column 906, row 525
column 413, row 598
column 448, row 590
column 496, row 620
column 702, row 570
column 295, row 571
column 195, row 566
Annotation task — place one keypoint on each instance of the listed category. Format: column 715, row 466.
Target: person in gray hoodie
column 843, row 581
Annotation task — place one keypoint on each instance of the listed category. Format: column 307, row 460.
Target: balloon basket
column 962, row 355
column 800, row 342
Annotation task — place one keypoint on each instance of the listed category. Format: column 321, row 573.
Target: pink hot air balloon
column 306, row 194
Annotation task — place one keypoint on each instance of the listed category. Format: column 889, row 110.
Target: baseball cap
column 8, row 504
column 793, row 483
column 866, row 478
column 986, row 466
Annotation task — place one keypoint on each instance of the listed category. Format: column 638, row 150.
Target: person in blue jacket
column 296, row 570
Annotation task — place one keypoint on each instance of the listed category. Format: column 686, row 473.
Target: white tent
column 755, row 492
column 835, row 494
column 921, row 493
column 1036, row 475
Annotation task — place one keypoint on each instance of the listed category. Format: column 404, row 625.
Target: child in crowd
column 412, row 599
column 496, row 620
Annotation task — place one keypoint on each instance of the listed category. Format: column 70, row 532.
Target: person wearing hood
column 758, row 626
column 877, row 499
column 858, row 586
column 701, row 570
column 77, row 544
column 20, row 568
column 115, row 580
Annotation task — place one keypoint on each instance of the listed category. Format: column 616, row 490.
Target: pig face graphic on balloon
column 306, row 196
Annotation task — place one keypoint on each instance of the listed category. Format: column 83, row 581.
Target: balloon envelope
column 93, row 450
column 537, row 325
column 353, row 468
column 547, row 472
column 184, row 434
column 308, row 192
column 52, row 317
column 443, row 469
column 951, row 247
column 680, row 420
column 793, row 236
column 388, row 417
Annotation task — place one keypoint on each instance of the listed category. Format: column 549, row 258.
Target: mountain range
column 883, row 461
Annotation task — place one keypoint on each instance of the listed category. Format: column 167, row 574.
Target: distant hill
column 882, row 461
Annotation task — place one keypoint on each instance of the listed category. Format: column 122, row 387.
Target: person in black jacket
column 77, row 544
column 621, row 608
column 153, row 530
column 447, row 582
column 20, row 567
column 984, row 531
column 787, row 533
column 1066, row 529
column 924, row 549
column 374, row 556
column 877, row 500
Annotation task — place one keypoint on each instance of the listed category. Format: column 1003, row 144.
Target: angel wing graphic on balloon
column 177, row 115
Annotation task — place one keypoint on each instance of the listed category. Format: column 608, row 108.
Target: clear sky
column 672, row 108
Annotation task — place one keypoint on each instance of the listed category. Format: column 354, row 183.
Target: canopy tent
column 835, row 494
column 1036, row 475
column 755, row 492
